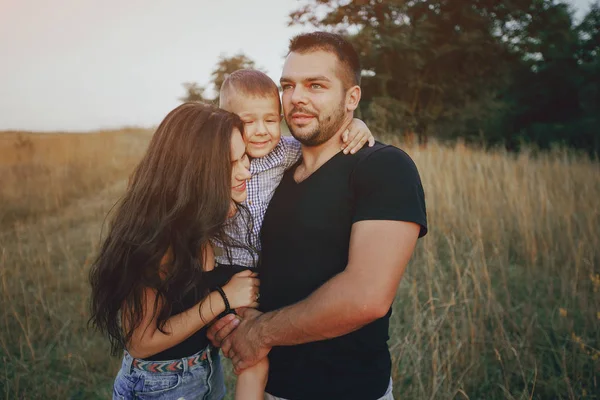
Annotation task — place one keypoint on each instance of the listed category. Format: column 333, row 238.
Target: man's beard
column 325, row 130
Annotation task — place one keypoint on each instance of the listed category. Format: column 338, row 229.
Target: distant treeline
column 492, row 72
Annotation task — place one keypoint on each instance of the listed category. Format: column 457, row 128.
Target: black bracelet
column 227, row 307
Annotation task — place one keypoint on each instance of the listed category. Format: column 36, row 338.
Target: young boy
column 255, row 98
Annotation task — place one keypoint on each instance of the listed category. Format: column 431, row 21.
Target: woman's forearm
column 178, row 328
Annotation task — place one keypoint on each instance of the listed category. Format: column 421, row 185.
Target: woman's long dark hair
column 177, row 201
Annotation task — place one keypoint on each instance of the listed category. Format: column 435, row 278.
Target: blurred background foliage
column 492, row 73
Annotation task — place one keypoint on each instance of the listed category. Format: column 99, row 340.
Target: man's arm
column 389, row 215
column 362, row 293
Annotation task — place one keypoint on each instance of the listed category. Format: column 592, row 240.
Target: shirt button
column 250, row 202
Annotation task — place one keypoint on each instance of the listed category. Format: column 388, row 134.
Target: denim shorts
column 202, row 381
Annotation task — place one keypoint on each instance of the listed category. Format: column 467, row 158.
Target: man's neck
column 313, row 157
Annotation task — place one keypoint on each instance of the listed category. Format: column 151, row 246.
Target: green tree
column 554, row 90
column 589, row 92
column 225, row 66
column 194, row 92
column 432, row 65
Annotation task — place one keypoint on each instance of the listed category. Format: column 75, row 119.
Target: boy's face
column 261, row 117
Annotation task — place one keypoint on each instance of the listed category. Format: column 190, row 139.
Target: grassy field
column 501, row 301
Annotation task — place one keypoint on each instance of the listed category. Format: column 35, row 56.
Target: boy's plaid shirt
column 266, row 173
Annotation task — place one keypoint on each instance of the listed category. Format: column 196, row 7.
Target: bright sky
column 90, row 64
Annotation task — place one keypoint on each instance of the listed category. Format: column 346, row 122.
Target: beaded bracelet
column 225, row 300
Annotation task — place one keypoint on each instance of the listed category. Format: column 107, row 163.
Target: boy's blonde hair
column 248, row 82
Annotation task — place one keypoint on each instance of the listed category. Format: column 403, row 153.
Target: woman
column 154, row 284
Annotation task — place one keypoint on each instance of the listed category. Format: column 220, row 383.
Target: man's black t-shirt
column 305, row 241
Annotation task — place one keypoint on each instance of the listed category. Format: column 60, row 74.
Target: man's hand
column 221, row 329
column 244, row 346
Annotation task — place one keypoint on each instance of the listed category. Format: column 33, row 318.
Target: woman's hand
column 242, row 290
column 356, row 136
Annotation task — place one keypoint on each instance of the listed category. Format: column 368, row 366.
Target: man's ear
column 353, row 98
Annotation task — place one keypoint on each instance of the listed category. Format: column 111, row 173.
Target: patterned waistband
column 170, row 366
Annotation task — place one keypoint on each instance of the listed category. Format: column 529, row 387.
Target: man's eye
column 316, row 86
column 286, row 87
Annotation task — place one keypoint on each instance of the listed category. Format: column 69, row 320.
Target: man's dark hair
column 333, row 43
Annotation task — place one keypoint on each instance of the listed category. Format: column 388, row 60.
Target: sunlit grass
column 43, row 172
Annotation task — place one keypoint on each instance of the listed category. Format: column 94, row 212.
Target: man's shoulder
column 383, row 155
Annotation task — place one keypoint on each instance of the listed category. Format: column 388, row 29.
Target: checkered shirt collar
column 274, row 158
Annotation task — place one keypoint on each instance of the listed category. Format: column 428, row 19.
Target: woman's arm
column 147, row 339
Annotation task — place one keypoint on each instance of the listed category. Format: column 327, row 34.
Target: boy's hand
column 356, row 136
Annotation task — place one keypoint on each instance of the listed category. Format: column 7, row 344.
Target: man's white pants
column 387, row 396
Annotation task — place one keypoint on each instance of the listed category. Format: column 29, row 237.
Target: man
column 336, row 239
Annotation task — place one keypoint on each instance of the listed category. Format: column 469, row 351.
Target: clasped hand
column 238, row 336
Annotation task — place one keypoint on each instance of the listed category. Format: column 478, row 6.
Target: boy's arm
column 353, row 139
column 292, row 151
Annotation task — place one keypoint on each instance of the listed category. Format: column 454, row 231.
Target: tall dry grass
column 500, row 301
column 502, row 298
column 55, row 191
column 43, row 172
